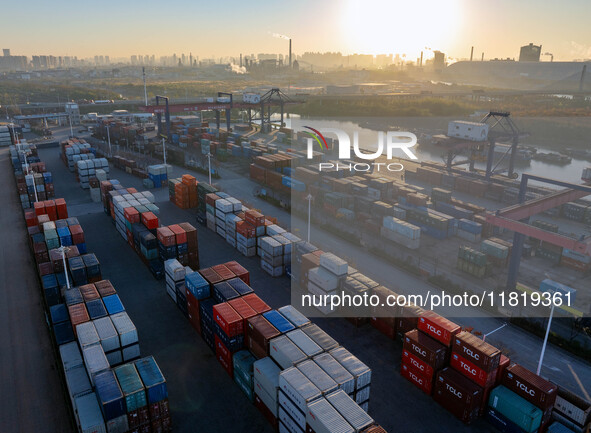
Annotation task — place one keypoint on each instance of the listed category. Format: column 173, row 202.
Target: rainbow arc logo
column 317, row 136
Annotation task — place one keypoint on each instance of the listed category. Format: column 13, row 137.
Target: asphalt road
column 31, row 389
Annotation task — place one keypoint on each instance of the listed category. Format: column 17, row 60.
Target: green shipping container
column 493, row 249
column 132, row 387
column 516, row 409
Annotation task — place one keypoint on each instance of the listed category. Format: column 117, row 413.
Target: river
column 368, row 138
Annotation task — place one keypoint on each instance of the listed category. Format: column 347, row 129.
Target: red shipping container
column 166, row 236
column 45, row 268
column 258, row 334
column 407, row 318
column 31, row 218
column 255, row 218
column 478, row 375
column 243, row 309
column 246, row 229
column 438, row 327
column 239, row 271
column 414, row 361
column 179, row 233
column 256, row 303
column 424, row 383
column 39, row 207
column 223, row 272
column 425, row 348
column 224, row 356
column 105, row 288
column 210, row 275
column 50, row 209
column 78, row 315
column 191, row 233
column 150, row 220
column 530, row 386
column 458, row 394
column 89, row 292
column 62, row 209
column 132, row 215
column 77, row 234
column 228, row 319
column 480, row 353
column 211, row 198
column 193, row 310
column 386, row 326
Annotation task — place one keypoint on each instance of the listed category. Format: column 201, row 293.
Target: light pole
column 71, row 130
column 309, row 198
column 493, row 331
column 164, row 150
column 109, row 140
column 209, row 166
column 64, row 250
column 545, row 339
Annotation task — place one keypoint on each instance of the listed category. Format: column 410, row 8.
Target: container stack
column 175, row 281
column 74, row 150
column 425, row 350
column 159, row 174
column 86, row 169
column 472, row 262
column 523, row 400
column 327, row 278
column 384, row 318
column 469, row 230
column 183, row 192
column 401, row 232
column 496, row 253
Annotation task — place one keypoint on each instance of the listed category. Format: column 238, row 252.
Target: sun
column 404, row 27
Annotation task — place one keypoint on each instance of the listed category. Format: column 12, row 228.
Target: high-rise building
column 6, row 52
column 530, row 53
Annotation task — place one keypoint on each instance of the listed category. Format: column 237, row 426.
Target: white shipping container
column 78, row 383
column 271, row 246
column 267, row 374
column 223, row 205
column 284, row 352
column 323, row 278
column 87, row 335
column 90, row 418
column 95, row 361
column 296, row 318
column 298, row 388
column 334, row 264
column 318, row 295
column 304, row 343
column 472, row 131
column 125, row 328
column 174, row 270
column 70, row 355
column 349, row 410
column 268, row 400
column 360, row 371
column 318, row 376
column 322, row 417
column 292, row 410
column 274, row 229
column 336, row 371
column 320, row 337
column 287, row 424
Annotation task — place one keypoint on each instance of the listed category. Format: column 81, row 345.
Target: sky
column 219, row 28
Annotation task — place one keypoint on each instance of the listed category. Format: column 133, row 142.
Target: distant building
column 530, row 53
column 438, row 60
column 6, row 52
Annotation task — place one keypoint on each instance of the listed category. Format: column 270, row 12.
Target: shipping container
column 426, row 348
column 438, row 327
column 285, row 353
column 474, row 349
column 459, row 395
column 322, row 417
column 348, row 409
column 516, row 409
column 530, row 386
column 336, row 371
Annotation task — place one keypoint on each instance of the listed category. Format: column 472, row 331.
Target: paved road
column 31, row 396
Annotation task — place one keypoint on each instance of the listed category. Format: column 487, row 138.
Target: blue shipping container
column 277, row 319
column 109, row 395
column 113, row 304
column 240, row 286
column 197, row 286
column 152, row 379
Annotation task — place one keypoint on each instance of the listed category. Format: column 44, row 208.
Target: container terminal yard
column 201, row 394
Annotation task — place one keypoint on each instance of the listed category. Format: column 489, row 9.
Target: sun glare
column 405, row 27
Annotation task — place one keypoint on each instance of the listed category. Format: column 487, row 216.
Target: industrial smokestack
column 582, row 78
column 290, row 52
column 482, row 58
column 421, row 62
column 471, row 53
column 240, row 59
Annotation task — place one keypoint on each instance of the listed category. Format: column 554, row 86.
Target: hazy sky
column 230, row 27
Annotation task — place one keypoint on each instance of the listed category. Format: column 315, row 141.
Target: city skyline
column 208, row 30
